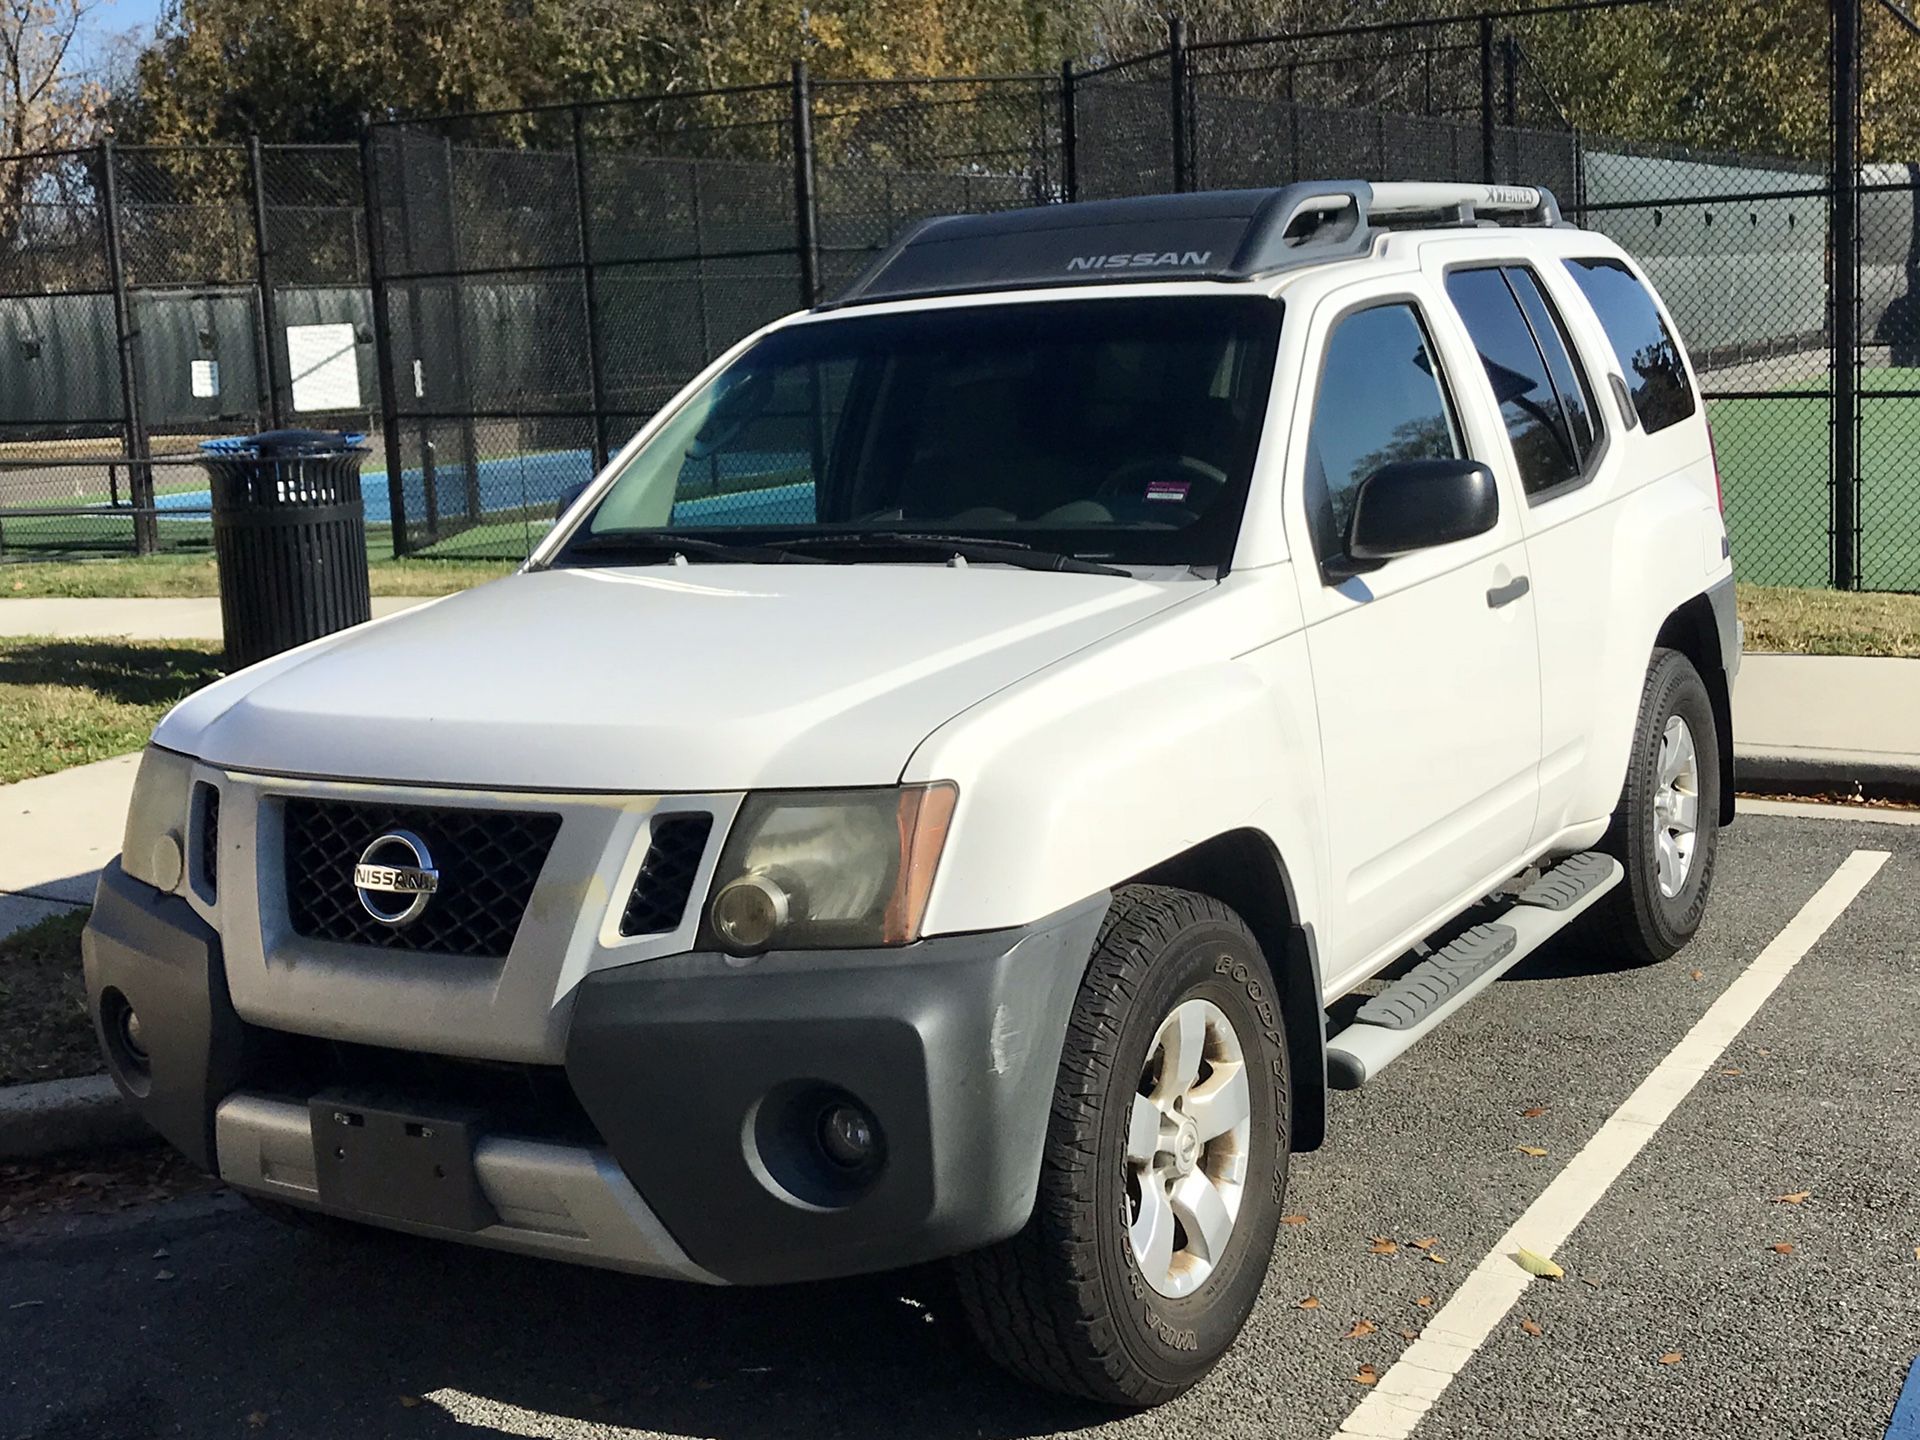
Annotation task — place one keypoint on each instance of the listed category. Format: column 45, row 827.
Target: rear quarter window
column 1649, row 357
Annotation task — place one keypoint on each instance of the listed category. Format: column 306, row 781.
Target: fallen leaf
column 1732, row 1070
column 410, row 1402
column 1916, row 1252
column 258, row 1420
column 1794, row 1199
column 1783, row 1248
column 1696, row 975
column 1427, row 1244
column 1293, row 1219
column 1383, row 1246
column 163, row 1274
column 1409, row 1334
column 1533, row 1150
column 1672, row 1357
column 1533, row 1112
column 1360, row 1328
column 1589, row 1280
column 1538, row 1265
column 1436, row 1259
column 161, row 1254
column 1366, row 1376
column 1426, row 1301
column 1312, row 1302
column 1531, row 1326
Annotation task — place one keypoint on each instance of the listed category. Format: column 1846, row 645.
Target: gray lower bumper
column 566, row 1202
column 683, row 1138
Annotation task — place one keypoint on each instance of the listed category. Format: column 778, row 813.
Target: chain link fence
column 528, row 287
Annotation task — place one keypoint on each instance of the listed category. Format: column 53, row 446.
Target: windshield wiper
column 657, row 542
column 967, row 547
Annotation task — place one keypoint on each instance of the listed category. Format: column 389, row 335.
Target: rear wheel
column 1165, row 1166
column 1666, row 831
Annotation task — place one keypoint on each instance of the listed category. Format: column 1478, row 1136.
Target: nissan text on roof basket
column 921, row 801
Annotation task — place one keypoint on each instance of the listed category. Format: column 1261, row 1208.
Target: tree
column 43, row 106
column 304, row 70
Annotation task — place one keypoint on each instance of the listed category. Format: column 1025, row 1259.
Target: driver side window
column 1382, row 398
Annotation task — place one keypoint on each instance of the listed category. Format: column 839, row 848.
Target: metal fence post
column 1177, row 98
column 1069, row 137
column 457, row 311
column 382, row 337
column 270, row 338
column 1509, row 81
column 1844, row 203
column 806, row 213
column 1486, row 99
column 596, row 392
column 146, row 529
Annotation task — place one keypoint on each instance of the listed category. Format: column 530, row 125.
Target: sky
column 114, row 18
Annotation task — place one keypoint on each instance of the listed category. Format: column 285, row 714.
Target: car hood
column 659, row 678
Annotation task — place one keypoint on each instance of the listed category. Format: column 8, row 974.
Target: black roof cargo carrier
column 1215, row 235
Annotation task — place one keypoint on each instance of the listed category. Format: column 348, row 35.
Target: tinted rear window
column 1656, row 375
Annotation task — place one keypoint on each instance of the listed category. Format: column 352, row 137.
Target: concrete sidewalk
column 1828, row 720
column 55, row 834
column 160, row 619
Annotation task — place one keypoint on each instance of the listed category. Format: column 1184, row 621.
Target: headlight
column 807, row 870
column 154, row 848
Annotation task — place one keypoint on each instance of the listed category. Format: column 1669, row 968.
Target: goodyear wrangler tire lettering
column 1115, row 1335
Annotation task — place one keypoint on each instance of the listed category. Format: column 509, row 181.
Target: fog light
column 749, row 912
column 130, row 1034
column 848, row 1135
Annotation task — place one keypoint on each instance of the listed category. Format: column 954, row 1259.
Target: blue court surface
column 516, row 483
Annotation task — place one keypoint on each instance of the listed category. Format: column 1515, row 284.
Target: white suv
column 923, row 798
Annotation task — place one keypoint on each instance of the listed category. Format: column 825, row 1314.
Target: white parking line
column 1408, row 1389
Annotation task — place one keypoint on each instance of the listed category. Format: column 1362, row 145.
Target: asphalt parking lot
column 1699, row 1298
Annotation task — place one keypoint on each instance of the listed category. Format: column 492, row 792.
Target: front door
column 1426, row 670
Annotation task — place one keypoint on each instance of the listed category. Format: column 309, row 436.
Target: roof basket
column 1216, row 235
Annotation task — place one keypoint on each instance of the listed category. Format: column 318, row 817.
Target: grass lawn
column 195, row 575
column 66, row 702
column 1830, row 622
column 46, row 1034
column 1773, row 468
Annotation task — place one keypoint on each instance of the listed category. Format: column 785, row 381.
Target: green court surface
column 1774, row 464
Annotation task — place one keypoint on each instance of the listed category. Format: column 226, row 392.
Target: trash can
column 290, row 534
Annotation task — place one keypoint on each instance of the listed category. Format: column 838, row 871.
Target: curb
column 1893, row 777
column 50, row 1116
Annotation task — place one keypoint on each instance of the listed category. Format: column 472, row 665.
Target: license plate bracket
column 395, row 1161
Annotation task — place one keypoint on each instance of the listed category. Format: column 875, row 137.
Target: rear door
column 1426, row 671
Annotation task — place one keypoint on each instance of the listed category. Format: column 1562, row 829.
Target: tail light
column 1713, row 453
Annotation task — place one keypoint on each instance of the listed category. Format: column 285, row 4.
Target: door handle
column 1508, row 593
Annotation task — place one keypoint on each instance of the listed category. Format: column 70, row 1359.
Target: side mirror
column 1414, row 505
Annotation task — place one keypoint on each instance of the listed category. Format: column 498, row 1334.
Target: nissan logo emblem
column 395, row 878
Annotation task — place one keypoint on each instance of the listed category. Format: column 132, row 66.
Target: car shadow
column 151, row 673
column 383, row 1334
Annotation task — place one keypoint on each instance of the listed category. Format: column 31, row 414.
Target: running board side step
column 1389, row 1024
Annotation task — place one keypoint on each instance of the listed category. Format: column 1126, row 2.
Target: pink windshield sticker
column 1168, row 489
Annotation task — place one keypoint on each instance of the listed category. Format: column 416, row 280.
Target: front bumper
column 694, row 1082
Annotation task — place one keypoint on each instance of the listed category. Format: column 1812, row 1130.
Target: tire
column 1640, row 917
column 1066, row 1303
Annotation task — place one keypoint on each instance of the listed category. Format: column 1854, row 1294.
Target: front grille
column 665, row 882
column 488, row 862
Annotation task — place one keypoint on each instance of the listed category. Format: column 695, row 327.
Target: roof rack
column 1214, row 235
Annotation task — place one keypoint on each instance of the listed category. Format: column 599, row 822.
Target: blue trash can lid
column 272, row 443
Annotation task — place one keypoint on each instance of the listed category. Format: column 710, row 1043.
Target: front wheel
column 1165, row 1166
column 1666, row 831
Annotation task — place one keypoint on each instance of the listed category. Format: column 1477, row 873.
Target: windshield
column 1117, row 431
